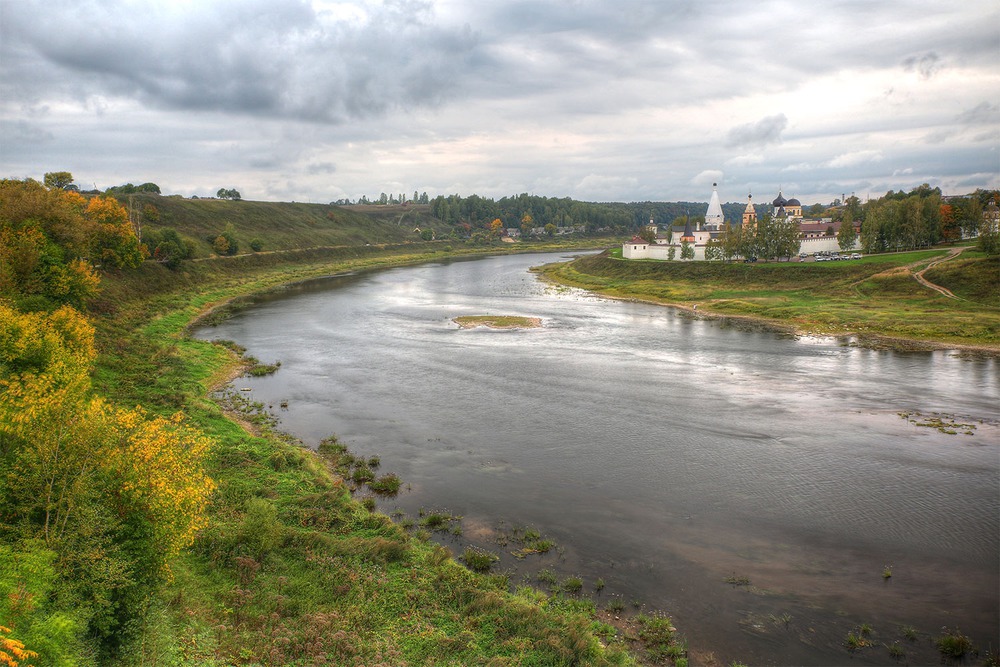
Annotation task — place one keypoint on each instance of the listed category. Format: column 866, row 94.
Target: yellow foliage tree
column 496, row 228
column 65, row 449
column 157, row 465
column 115, row 243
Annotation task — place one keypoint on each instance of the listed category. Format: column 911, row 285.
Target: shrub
column 260, row 531
column 953, row 644
column 386, row 484
column 478, row 560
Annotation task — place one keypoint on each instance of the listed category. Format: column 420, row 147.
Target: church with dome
column 816, row 235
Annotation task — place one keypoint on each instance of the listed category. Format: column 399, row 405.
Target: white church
column 816, row 235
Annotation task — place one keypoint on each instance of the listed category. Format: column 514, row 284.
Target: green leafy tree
column 846, row 236
column 232, row 194
column 687, row 250
column 167, row 246
column 969, row 214
column 28, row 587
column 989, row 230
column 713, row 249
column 550, row 229
column 59, row 180
column 731, row 240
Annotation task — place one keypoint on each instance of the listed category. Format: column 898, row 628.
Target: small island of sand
column 498, row 321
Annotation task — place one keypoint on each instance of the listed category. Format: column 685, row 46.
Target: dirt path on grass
column 919, row 275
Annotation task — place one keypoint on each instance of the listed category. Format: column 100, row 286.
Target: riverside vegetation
column 188, row 530
column 175, row 534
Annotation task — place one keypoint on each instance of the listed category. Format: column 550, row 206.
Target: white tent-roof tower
column 714, row 220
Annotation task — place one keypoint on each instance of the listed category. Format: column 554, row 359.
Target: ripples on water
column 662, row 451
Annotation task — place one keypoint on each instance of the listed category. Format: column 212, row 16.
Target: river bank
column 659, row 453
column 878, row 306
column 288, row 553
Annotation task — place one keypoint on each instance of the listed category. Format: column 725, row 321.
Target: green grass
column 953, row 644
column 875, row 299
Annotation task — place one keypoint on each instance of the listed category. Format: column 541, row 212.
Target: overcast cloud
column 592, row 99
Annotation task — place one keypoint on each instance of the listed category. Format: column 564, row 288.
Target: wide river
column 662, row 453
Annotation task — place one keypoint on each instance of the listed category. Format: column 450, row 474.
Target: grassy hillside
column 875, row 298
column 282, row 225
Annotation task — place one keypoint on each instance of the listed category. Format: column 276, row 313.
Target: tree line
column 922, row 217
column 531, row 211
column 771, row 238
column 384, row 200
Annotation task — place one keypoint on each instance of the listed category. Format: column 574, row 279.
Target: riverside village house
column 815, row 235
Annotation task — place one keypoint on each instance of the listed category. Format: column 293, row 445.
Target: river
column 754, row 486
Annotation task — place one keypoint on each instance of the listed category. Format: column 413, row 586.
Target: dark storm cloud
column 765, row 131
column 254, row 57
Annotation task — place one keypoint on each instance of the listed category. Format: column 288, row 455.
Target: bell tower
column 749, row 213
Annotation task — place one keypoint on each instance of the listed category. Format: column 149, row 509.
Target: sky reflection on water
column 662, row 452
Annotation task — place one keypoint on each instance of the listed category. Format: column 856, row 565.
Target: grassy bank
column 282, row 225
column 292, row 569
column 875, row 299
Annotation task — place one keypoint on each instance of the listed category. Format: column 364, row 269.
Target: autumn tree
column 115, row 243
column 527, row 224
column 45, row 244
column 114, row 493
column 951, row 230
column 225, row 243
column 495, row 229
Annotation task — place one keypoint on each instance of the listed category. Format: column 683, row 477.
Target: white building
column 670, row 243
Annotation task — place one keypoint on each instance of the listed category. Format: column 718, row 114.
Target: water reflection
column 662, row 452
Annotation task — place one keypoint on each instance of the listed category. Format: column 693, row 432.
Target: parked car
column 856, row 255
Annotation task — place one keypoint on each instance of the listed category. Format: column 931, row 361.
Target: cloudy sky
column 599, row 100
